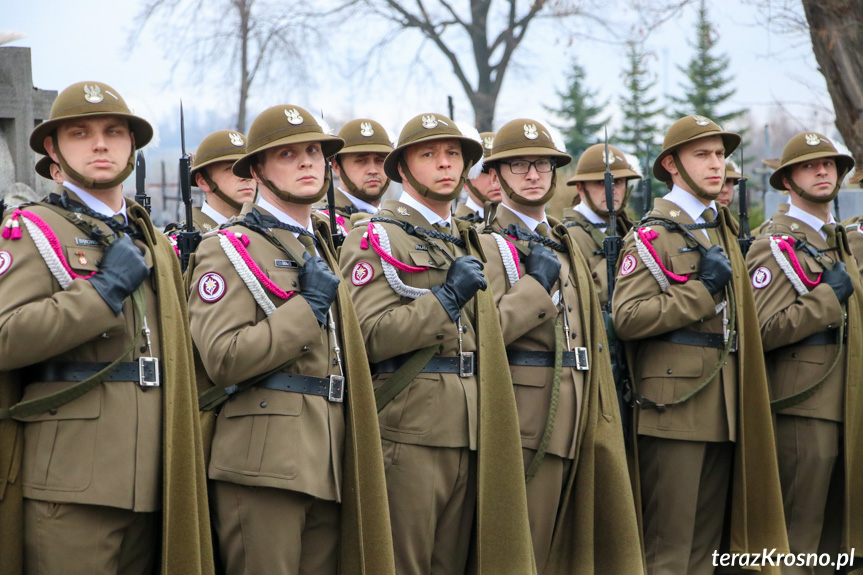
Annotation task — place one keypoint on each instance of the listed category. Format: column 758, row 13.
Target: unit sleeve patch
column 5, row 261
column 211, row 287
column 362, row 273
column 627, row 266
column 762, row 277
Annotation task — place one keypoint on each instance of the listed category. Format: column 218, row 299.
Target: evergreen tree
column 708, row 84
column 580, row 112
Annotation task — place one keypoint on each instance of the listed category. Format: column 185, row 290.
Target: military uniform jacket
column 435, row 409
column 103, row 448
column 663, row 371
column 528, row 316
column 463, row 212
column 265, row 437
column 200, row 221
column 589, row 240
column 786, row 318
column 854, row 229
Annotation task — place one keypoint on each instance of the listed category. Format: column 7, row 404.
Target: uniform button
column 569, row 308
column 830, row 326
column 143, row 347
column 668, row 371
column 600, row 347
column 53, row 411
column 566, row 284
column 263, row 404
column 105, row 336
column 293, row 284
column 692, row 266
column 335, row 361
column 794, row 354
column 542, row 314
column 431, row 263
column 439, row 336
column 305, row 348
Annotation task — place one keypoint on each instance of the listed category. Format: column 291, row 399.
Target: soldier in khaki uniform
column 732, row 177
column 360, row 169
column 417, row 292
column 91, row 299
column 224, row 192
column 479, row 185
column 588, row 219
column 546, row 302
column 270, row 322
column 809, row 311
column 702, row 409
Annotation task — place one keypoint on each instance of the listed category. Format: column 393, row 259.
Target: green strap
column 597, row 236
column 212, row 398
column 403, row 376
column 45, row 403
column 781, row 404
column 555, row 399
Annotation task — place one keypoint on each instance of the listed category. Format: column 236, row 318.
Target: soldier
column 224, row 192
column 546, row 302
column 732, row 177
column 418, row 295
column 278, row 350
column 809, row 311
column 588, row 220
column 360, row 169
column 90, row 325
column 479, row 186
column 702, row 411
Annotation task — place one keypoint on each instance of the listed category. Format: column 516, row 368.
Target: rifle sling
column 402, row 377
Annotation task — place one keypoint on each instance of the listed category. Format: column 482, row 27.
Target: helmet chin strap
column 510, row 193
column 816, row 199
column 473, row 189
column 90, row 183
column 425, row 192
column 291, row 198
column 234, row 204
column 355, row 190
column 699, row 191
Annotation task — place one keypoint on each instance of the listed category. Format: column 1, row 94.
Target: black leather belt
column 829, row 337
column 332, row 387
column 461, row 364
column 576, row 359
column 144, row 372
column 696, row 339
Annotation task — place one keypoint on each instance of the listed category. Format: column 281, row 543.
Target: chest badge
column 82, row 258
column 403, row 211
column 795, row 226
column 675, row 213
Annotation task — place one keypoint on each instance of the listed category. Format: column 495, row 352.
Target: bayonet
column 744, row 235
column 189, row 238
column 141, row 182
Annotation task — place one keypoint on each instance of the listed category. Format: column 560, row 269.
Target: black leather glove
column 318, row 286
column 463, row 279
column 121, row 271
column 714, row 270
column 837, row 277
column 542, row 265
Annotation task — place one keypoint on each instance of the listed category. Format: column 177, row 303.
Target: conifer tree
column 639, row 108
column 581, row 115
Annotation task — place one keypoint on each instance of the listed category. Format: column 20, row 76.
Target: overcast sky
column 80, row 40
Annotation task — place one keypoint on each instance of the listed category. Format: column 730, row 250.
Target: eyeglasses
column 542, row 165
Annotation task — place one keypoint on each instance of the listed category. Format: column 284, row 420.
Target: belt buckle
column 581, row 361
column 148, row 371
column 465, row 364
column 337, row 389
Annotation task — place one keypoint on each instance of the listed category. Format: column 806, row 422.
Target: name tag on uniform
column 86, row 242
column 286, row 264
column 420, row 247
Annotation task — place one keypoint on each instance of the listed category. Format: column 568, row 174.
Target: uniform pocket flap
column 685, row 263
column 676, row 364
column 88, row 406
column 425, row 259
column 259, row 401
column 807, row 353
column 813, row 266
column 531, row 376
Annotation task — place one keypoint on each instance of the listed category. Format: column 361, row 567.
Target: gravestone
column 22, row 107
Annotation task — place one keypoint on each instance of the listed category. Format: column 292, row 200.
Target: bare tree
column 233, row 42
column 835, row 29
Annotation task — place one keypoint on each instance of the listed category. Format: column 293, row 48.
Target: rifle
column 744, row 236
column 189, row 238
column 611, row 245
column 140, row 182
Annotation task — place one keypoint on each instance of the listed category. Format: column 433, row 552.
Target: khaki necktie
column 308, row 243
column 542, row 230
column 712, row 233
column 120, row 218
column 439, row 227
column 830, row 231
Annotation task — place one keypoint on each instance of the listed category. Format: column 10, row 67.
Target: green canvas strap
column 51, row 401
column 403, row 376
column 597, row 236
column 555, row 399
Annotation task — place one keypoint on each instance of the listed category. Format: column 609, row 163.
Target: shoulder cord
column 377, row 237
column 234, row 246
column 423, row 233
column 509, row 255
column 793, row 271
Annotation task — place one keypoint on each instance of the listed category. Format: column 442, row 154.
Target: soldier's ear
column 49, row 147
column 669, row 165
column 201, row 182
column 336, row 168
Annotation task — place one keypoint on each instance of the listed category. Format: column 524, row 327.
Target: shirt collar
column 95, row 203
column 424, row 211
column 210, row 211
column 591, row 216
column 360, row 205
column 529, row 222
column 281, row 216
column 689, row 203
column 810, row 220
column 474, row 207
